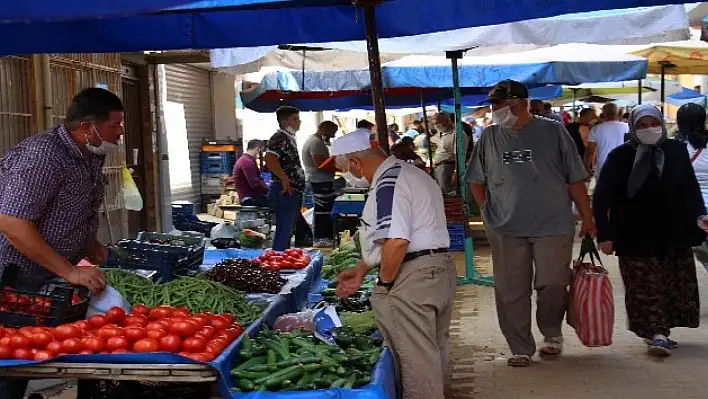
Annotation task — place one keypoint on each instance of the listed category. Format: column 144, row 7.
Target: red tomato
column 299, row 265
column 55, row 348
column 215, row 347
column 115, row 343
column 207, row 331
column 198, row 357
column 67, row 331
column 40, row 340
column 94, row 344
column 19, row 341
column 166, row 323
column 141, row 321
column 305, row 259
column 156, row 333
column 85, row 352
column 134, row 333
column 160, row 312
column 146, row 345
column 115, row 314
column 209, row 356
column 110, row 332
column 97, row 321
column 181, row 312
column 26, row 331
column 228, row 316
column 82, row 324
column 183, row 328
column 23, row 354
column 5, row 341
column 5, row 352
column 232, row 334
column 140, row 310
column 219, row 323
column 72, row 345
column 170, row 343
column 42, row 356
column 194, row 345
column 118, row 351
column 201, row 319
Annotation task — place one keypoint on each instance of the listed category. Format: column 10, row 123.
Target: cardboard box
column 229, row 215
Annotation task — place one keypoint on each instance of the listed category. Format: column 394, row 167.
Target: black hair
column 92, row 104
column 364, row 124
column 691, row 120
column 328, row 125
column 406, row 140
column 253, row 144
column 285, row 112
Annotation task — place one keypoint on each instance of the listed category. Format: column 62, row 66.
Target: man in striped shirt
column 404, row 232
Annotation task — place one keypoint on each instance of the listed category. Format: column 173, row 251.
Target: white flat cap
column 355, row 141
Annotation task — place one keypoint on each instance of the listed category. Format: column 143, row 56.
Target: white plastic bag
column 109, row 298
column 309, row 216
column 224, row 230
column 131, row 196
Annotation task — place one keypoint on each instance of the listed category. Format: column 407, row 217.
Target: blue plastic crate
column 180, row 208
column 167, row 264
column 194, row 255
column 457, row 236
column 224, row 157
column 182, row 240
column 194, row 225
column 216, row 168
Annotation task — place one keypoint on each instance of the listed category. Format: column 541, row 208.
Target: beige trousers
column 522, row 264
column 414, row 318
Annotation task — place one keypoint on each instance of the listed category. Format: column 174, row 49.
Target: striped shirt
column 406, row 203
column 45, row 179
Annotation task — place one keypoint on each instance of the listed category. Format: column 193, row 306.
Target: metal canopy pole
column 427, row 132
column 663, row 88
column 472, row 276
column 639, row 92
column 377, row 92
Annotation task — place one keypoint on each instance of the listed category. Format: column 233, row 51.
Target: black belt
column 417, row 254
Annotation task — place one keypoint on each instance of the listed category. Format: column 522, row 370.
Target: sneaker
column 659, row 348
column 672, row 344
column 552, row 346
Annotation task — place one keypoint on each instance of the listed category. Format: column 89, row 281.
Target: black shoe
column 306, row 243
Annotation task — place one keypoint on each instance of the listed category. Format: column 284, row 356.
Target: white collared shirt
column 406, row 203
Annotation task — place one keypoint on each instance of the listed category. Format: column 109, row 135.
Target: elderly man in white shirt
column 404, row 232
column 444, row 159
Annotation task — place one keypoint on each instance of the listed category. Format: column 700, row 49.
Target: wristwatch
column 380, row 283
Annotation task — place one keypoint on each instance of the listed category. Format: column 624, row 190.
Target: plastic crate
column 216, row 167
column 39, row 304
column 167, row 260
column 212, row 184
column 457, row 236
column 220, row 156
column 195, row 225
column 182, row 208
column 183, row 240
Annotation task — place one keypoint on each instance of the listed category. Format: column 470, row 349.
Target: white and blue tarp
column 83, row 26
column 563, row 64
column 626, row 26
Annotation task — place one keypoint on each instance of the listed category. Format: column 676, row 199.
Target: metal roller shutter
column 188, row 88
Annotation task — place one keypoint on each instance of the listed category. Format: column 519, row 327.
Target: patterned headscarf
column 648, row 156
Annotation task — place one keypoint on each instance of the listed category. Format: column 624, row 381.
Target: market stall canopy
column 686, row 96
column 562, row 64
column 686, row 57
column 228, row 23
column 632, row 26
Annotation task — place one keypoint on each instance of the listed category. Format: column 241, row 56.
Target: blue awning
column 221, row 23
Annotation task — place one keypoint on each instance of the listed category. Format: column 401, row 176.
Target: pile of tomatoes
column 200, row 336
column 294, row 258
column 15, row 302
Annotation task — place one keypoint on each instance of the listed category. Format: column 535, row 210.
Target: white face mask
column 650, row 135
column 353, row 181
column 104, row 148
column 504, row 118
column 290, row 130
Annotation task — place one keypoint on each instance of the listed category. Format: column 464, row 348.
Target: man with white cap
column 404, row 232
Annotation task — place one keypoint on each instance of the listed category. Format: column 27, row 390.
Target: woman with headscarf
column 647, row 208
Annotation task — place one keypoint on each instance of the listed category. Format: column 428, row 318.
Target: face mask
column 504, row 118
column 290, row 130
column 355, row 181
column 104, row 148
column 650, row 135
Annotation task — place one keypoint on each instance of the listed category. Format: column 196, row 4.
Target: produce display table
column 166, row 367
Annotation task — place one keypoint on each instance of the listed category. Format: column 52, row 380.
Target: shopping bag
column 591, row 311
column 131, row 196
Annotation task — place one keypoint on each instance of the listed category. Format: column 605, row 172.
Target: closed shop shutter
column 189, row 98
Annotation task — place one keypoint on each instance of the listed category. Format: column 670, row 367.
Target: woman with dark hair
column 648, row 208
column 691, row 119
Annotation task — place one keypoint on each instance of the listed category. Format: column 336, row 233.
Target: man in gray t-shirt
column 524, row 172
column 320, row 176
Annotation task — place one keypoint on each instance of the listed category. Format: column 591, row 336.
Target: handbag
column 591, row 311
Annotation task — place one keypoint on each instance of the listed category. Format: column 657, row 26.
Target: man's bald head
column 610, row 112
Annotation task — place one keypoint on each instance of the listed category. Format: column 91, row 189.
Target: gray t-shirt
column 315, row 146
column 527, row 173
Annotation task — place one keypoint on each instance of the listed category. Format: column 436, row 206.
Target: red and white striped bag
column 591, row 311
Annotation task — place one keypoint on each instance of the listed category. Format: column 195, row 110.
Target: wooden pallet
column 123, row 372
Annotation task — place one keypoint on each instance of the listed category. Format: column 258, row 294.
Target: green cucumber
column 250, row 362
column 298, row 360
column 362, row 381
column 251, row 375
column 321, row 383
column 259, row 367
column 245, row 384
column 247, row 343
column 270, row 356
column 311, row 367
column 350, row 381
column 277, row 375
column 291, row 373
column 279, row 348
column 339, row 383
column 244, row 354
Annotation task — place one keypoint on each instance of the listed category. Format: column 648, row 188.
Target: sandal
column 552, row 346
column 660, row 348
column 672, row 344
column 519, row 361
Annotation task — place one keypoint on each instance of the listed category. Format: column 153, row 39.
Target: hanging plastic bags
column 131, row 196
